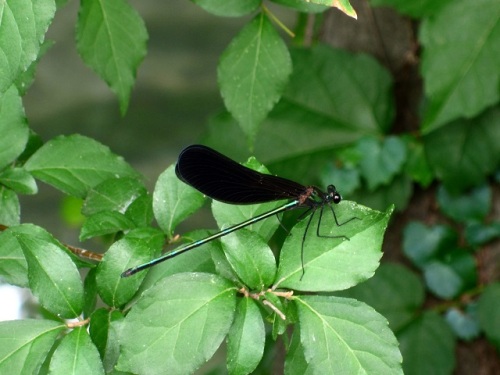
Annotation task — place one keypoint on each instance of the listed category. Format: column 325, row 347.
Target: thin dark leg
column 304, row 240
column 336, row 222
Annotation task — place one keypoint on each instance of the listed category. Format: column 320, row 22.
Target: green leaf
column 478, row 234
column 381, row 161
column 105, row 222
column 394, row 291
column 74, row 164
column 253, row 72
column 428, row 346
column 24, row 24
column 422, row 244
column 413, row 8
column 463, row 153
column 174, row 201
column 228, row 8
column 442, row 280
column 345, row 93
column 13, row 126
column 104, row 334
column 177, row 328
column 13, row 266
column 246, row 338
column 251, row 258
column 115, row 194
column 53, row 277
column 464, row 323
column 10, row 210
column 76, row 353
column 111, row 39
column 18, row 180
column 138, row 246
column 488, row 311
column 90, row 293
column 460, row 70
column 417, row 165
column 473, row 206
column 140, row 211
column 332, row 264
column 342, row 335
column 25, row 344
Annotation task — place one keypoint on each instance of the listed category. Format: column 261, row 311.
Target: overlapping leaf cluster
column 298, row 107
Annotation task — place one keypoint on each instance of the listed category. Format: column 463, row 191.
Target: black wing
column 223, row 179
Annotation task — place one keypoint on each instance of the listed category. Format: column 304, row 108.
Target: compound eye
column 337, row 198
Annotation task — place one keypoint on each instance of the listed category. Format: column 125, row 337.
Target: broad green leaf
column 140, row 211
column 53, row 277
column 18, row 180
column 381, row 161
column 105, row 222
column 246, row 338
column 251, row 258
column 394, row 291
column 10, row 209
column 469, row 207
column 13, row 126
column 464, row 152
column 230, row 214
column 345, row 336
column 343, row 5
column 174, row 201
column 413, row 8
column 76, row 354
column 345, row 93
column 138, row 246
column 177, row 324
column 488, row 312
column 442, row 280
column 111, row 38
column 332, row 264
column 460, row 69
column 25, row 344
column 74, row 164
column 228, row 8
column 253, row 72
column 24, row 24
column 115, row 194
column 422, row 244
column 428, row 346
column 13, row 266
column 464, row 323
column 104, row 334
